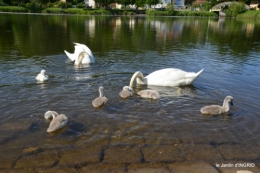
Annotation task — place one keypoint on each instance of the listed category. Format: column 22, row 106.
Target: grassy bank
column 180, row 13
column 250, row 14
column 84, row 11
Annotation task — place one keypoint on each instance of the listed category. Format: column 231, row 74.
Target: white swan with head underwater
column 57, row 122
column 82, row 55
column 165, row 77
column 42, row 76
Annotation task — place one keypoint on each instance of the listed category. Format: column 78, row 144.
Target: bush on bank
column 85, row 11
column 250, row 14
column 13, row 9
column 180, row 13
column 235, row 9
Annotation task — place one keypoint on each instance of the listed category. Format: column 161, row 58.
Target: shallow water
column 228, row 51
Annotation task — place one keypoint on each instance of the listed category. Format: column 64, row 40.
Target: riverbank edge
column 109, row 12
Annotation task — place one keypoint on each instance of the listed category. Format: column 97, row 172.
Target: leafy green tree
column 152, row 2
column 104, row 3
column 140, row 3
column 207, row 6
column 126, row 2
column 235, row 9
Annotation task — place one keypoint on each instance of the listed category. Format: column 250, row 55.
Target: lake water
column 228, row 51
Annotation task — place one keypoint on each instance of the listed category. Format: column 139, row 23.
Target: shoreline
column 106, row 12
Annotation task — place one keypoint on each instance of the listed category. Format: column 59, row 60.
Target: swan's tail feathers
column 197, row 74
column 193, row 77
column 71, row 57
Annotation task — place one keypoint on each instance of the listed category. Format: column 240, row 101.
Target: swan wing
column 125, row 94
column 57, row 123
column 153, row 94
column 73, row 56
column 99, row 101
column 87, row 50
column 211, row 110
column 171, row 77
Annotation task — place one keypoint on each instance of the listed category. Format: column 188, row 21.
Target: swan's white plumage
column 217, row 109
column 165, row 77
column 126, row 92
column 101, row 100
column 82, row 54
column 57, row 122
column 152, row 94
column 42, row 76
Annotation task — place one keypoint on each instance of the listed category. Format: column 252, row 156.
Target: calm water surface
column 228, row 51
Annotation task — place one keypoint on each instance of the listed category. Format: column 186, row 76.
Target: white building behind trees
column 177, row 3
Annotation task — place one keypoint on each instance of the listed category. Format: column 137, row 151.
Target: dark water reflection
column 227, row 50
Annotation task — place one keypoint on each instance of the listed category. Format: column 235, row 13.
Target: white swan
column 58, row 121
column 101, row 100
column 42, row 76
column 165, row 77
column 152, row 94
column 82, row 54
column 126, row 92
column 217, row 109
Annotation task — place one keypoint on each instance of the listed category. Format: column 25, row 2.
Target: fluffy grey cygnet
column 217, row 109
column 57, row 122
column 101, row 100
column 126, row 92
column 153, row 94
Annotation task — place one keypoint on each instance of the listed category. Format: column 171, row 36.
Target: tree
column 126, row 2
column 235, row 8
column 152, row 2
column 140, row 3
column 104, row 3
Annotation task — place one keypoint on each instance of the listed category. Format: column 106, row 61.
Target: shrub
column 75, row 11
column 13, row 9
column 2, row 3
column 62, row 5
column 250, row 15
column 81, row 5
column 235, row 9
column 53, row 10
column 170, row 9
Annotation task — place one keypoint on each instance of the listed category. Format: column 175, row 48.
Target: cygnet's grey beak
column 231, row 103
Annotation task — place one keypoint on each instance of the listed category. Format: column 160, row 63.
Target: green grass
column 84, row 11
column 13, row 9
column 180, row 13
column 196, row 13
column 250, row 14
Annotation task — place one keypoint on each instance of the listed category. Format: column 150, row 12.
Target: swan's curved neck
column 137, row 74
column 50, row 114
column 100, row 92
column 225, row 106
column 80, row 58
